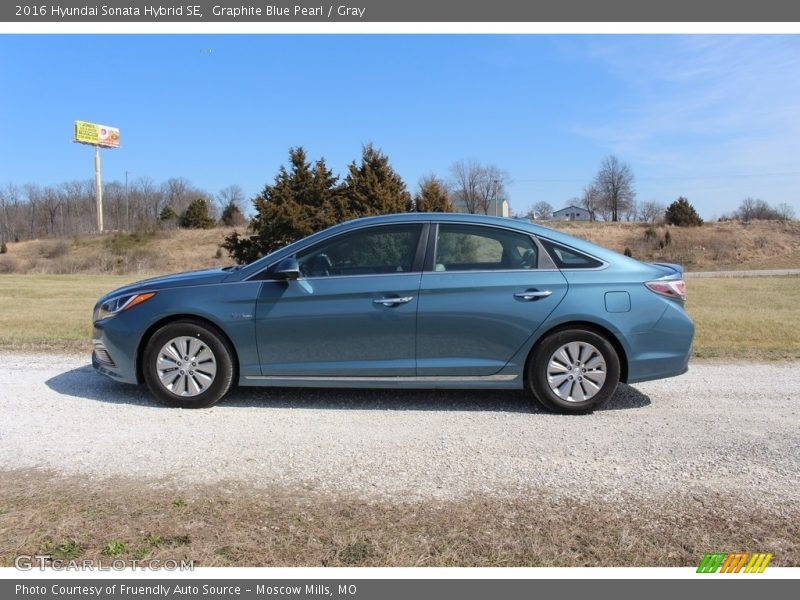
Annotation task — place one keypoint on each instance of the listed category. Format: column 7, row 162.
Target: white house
column 571, row 213
column 499, row 208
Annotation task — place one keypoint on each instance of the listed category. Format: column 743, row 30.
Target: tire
column 573, row 371
column 198, row 382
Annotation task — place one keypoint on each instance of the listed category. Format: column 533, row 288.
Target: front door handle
column 393, row 301
column 533, row 294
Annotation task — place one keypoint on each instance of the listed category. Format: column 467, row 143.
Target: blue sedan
column 417, row 300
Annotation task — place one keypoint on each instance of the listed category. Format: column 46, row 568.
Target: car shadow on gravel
column 84, row 382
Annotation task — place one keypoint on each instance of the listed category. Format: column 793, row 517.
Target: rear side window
column 568, row 258
column 478, row 248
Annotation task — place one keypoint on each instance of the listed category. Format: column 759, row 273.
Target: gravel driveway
column 721, row 428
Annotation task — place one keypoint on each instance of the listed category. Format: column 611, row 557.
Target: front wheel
column 573, row 371
column 188, row 365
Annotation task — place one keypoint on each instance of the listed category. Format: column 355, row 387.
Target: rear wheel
column 187, row 364
column 573, row 371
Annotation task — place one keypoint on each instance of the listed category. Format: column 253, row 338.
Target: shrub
column 115, row 548
column 168, row 214
column 681, row 213
column 667, row 238
column 55, row 249
column 232, row 216
column 649, row 234
column 9, row 265
column 3, row 248
column 197, row 216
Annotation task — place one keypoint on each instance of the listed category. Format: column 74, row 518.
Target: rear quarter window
column 569, row 258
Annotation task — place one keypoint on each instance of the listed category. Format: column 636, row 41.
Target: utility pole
column 127, row 205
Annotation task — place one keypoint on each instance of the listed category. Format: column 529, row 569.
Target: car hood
column 189, row 278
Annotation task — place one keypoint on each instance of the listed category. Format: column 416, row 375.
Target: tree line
column 307, row 196
column 611, row 196
column 32, row 211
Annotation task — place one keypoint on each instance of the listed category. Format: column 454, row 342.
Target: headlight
column 114, row 306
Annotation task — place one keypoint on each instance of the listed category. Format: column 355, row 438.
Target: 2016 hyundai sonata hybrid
column 416, row 300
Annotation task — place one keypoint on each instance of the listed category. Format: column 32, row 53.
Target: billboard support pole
column 99, row 189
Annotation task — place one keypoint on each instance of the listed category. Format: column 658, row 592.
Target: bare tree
column 785, row 212
column 591, row 201
column 466, row 176
column 614, row 181
column 651, row 211
column 632, row 212
column 543, row 211
column 478, row 188
column 9, row 205
column 756, row 209
column 232, row 194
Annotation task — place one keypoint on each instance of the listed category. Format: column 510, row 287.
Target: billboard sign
column 96, row 135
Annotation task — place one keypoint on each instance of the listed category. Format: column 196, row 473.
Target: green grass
column 738, row 318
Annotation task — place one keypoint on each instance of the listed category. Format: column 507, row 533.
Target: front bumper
column 114, row 353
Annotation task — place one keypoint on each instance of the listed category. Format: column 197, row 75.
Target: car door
column 352, row 312
column 484, row 292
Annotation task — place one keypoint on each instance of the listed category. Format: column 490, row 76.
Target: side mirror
column 287, row 269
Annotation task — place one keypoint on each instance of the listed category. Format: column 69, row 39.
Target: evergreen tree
column 374, row 187
column 303, row 199
column 196, row 215
column 167, row 214
column 432, row 196
column 232, row 215
column 682, row 213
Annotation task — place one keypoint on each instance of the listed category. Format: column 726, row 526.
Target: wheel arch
column 598, row 329
column 184, row 317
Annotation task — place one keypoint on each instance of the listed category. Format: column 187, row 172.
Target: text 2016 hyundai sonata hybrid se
column 406, row 301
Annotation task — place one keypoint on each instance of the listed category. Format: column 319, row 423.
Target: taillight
column 672, row 288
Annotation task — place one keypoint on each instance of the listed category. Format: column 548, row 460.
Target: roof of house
column 571, row 206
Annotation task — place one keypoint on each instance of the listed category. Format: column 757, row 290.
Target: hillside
column 119, row 253
column 715, row 246
column 729, row 245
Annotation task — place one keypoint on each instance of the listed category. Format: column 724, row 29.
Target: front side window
column 373, row 251
column 477, row 248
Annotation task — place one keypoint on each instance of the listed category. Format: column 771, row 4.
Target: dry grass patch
column 755, row 318
column 119, row 253
column 234, row 525
column 52, row 312
column 729, row 245
column 746, row 317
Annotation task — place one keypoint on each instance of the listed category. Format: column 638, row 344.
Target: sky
column 714, row 118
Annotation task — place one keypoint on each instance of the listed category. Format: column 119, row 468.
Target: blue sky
column 714, row 118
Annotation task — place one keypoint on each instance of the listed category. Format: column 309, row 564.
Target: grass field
column 234, row 525
column 51, row 312
column 739, row 318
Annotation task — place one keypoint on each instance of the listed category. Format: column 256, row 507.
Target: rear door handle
column 533, row 294
column 393, row 301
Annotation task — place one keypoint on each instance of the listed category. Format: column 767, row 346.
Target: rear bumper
column 664, row 351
